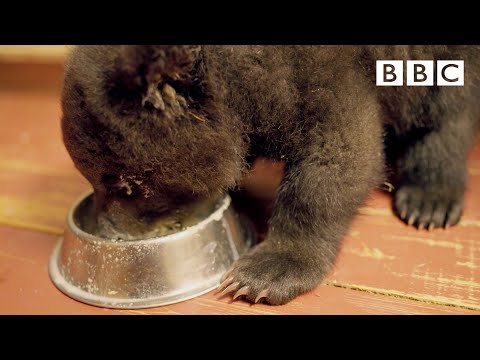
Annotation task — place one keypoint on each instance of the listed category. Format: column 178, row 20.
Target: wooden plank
column 25, row 288
column 26, row 77
column 31, row 138
column 38, row 202
column 382, row 254
column 33, row 53
column 38, row 181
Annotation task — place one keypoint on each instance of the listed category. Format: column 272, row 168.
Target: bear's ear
column 154, row 61
column 170, row 62
column 135, row 67
column 150, row 76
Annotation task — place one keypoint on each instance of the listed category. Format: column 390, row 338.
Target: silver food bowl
column 152, row 272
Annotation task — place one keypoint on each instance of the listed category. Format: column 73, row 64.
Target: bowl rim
column 217, row 215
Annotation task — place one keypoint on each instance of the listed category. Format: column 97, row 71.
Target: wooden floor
column 385, row 267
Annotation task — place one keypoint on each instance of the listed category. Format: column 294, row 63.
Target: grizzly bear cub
column 154, row 127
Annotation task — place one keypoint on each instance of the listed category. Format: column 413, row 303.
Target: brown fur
column 153, row 127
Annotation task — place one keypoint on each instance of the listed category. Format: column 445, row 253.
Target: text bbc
column 420, row 73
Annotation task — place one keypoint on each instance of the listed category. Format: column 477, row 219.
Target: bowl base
column 78, row 294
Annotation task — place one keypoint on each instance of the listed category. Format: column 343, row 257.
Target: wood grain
column 38, row 181
column 442, row 266
column 25, row 288
column 33, row 53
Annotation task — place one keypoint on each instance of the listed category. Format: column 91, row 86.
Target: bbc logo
column 420, row 73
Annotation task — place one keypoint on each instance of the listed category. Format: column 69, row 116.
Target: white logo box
column 420, row 73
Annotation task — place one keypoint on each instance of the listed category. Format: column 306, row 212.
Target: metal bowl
column 151, row 272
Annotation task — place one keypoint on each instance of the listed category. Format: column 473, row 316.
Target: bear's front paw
column 273, row 274
column 428, row 206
